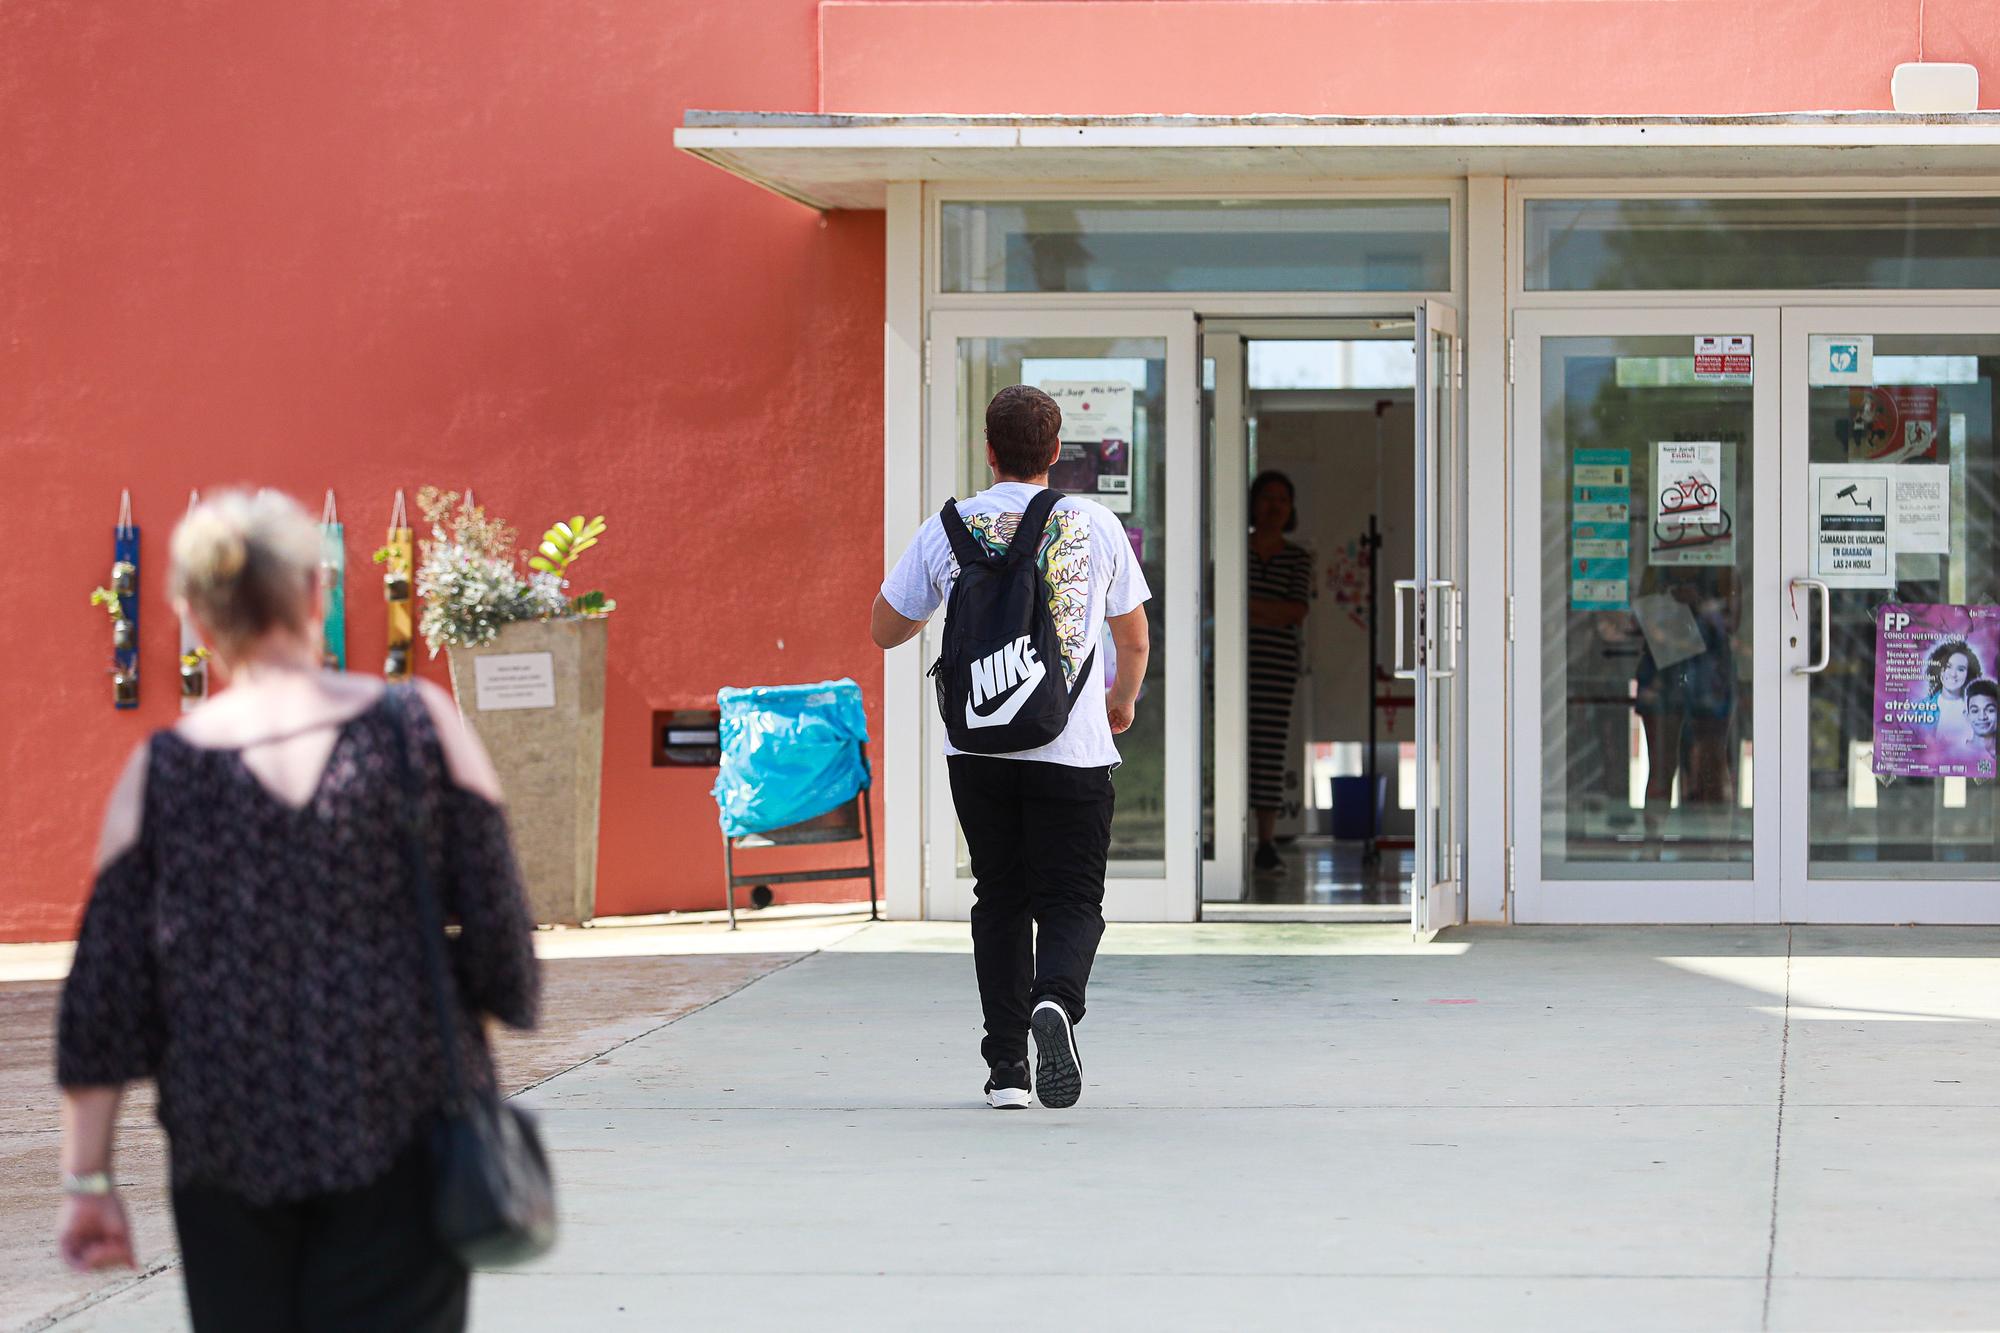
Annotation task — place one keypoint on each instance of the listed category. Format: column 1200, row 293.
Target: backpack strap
column 965, row 547
column 1028, row 537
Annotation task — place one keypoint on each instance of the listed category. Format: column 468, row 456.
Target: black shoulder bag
column 492, row 1197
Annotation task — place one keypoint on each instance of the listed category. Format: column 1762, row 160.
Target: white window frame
column 911, row 759
column 1777, row 896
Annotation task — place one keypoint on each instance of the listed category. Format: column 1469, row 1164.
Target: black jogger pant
column 355, row 1262
column 1038, row 834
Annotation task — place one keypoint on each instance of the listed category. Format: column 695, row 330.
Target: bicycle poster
column 1694, row 503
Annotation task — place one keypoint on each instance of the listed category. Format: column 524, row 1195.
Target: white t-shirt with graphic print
column 1092, row 574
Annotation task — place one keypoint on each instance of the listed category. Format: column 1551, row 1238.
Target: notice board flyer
column 1937, row 707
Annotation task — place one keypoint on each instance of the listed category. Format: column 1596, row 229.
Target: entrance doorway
column 1331, row 619
column 1317, row 418
column 1758, row 578
column 1140, row 450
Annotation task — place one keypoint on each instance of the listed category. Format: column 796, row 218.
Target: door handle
column 1444, row 620
column 1825, row 627
column 1396, row 591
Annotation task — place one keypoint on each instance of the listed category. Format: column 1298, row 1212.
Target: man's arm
column 1277, row 612
column 1133, row 638
column 888, row 626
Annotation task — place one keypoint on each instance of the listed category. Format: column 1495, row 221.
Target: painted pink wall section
column 1390, row 57
column 368, row 245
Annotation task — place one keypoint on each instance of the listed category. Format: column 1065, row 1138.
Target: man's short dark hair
column 1983, row 686
column 1024, row 426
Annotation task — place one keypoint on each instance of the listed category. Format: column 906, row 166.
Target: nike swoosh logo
column 1004, row 714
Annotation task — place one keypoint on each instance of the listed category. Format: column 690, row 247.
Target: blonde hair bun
column 246, row 563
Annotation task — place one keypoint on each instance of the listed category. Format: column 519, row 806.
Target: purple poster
column 1936, row 705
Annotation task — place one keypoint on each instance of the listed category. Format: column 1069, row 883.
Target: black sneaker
column 1007, row 1087
column 1058, row 1073
column 1267, row 857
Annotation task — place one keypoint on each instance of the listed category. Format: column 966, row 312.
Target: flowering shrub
column 470, row 580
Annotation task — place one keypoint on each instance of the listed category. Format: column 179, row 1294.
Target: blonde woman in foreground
column 252, row 945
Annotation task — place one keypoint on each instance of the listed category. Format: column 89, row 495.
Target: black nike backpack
column 1000, row 678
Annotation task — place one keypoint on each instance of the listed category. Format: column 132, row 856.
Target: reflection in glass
column 1197, row 245
column 1865, row 824
column 1138, row 495
column 1795, row 242
column 1646, row 613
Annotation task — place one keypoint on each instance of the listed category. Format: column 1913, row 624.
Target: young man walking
column 1037, row 820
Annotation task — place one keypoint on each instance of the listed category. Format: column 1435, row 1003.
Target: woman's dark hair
column 1024, row 426
column 1941, row 658
column 1273, row 477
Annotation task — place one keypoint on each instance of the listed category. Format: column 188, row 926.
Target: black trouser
column 1038, row 834
column 362, row 1260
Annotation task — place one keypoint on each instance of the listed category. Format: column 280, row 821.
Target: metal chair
column 848, row 822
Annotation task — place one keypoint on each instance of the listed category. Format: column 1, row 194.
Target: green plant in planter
column 124, row 634
column 469, row 573
column 561, row 545
column 396, row 577
column 194, row 673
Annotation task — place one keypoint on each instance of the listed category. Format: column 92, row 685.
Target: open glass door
column 1137, row 452
column 1891, row 628
column 1432, row 595
column 1225, row 770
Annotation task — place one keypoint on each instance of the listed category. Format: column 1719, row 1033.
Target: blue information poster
column 1600, row 530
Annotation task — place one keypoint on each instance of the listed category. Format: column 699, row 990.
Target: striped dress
column 1274, row 671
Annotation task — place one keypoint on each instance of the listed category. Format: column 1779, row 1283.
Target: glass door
column 1890, row 625
column 1142, row 367
column 1647, row 615
column 1437, row 893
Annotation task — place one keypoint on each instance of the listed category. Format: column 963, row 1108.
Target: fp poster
column 1096, row 457
column 1937, row 708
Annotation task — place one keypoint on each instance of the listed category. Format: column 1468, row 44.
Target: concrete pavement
column 1286, row 1127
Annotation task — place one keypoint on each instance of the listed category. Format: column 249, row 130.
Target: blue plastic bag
column 789, row 753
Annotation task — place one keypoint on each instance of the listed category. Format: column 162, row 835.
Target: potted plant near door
column 527, row 668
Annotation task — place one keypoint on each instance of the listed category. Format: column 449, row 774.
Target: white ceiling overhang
column 848, row 161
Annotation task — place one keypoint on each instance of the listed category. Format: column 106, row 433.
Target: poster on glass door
column 1600, row 530
column 1937, row 707
column 1890, row 423
column 1694, row 513
column 1096, row 457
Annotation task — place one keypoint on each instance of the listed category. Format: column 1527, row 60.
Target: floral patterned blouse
column 263, row 963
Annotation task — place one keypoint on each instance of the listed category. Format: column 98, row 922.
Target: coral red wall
column 372, row 243
column 1391, row 57
column 368, row 244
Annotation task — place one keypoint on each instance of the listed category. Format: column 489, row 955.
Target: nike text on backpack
column 999, row 679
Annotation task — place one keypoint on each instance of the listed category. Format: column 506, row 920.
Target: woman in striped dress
column 1281, row 587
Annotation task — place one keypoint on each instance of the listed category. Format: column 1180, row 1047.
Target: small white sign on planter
column 515, row 680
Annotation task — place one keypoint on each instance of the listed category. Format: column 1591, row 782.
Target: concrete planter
column 535, row 696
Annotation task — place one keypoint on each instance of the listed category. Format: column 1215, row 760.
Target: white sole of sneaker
column 1058, row 1072
column 1010, row 1099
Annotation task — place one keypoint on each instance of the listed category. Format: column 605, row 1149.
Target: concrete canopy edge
column 848, row 160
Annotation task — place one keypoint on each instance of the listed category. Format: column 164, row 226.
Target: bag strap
column 965, row 547
column 430, row 914
column 1028, row 537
